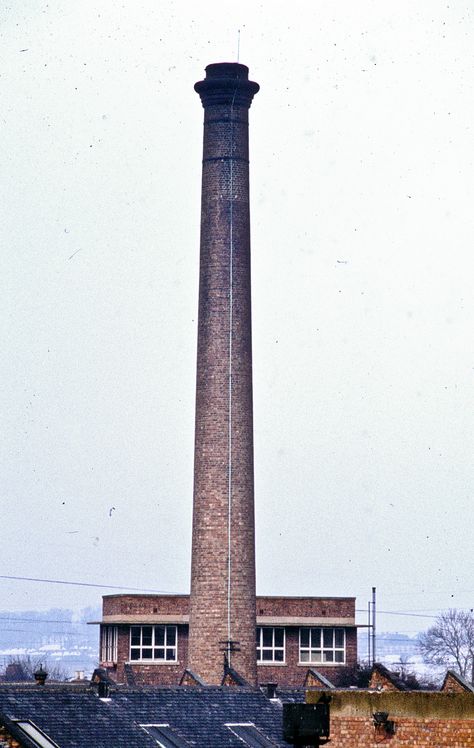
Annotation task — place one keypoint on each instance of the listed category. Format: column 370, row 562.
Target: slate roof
column 292, row 695
column 75, row 717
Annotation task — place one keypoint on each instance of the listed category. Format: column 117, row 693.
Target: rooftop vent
column 270, row 690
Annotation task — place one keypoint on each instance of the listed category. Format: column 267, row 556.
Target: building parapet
column 420, row 705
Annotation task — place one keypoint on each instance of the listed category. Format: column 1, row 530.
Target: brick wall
column 411, row 733
column 318, row 607
column 145, row 604
column 422, row 719
column 330, row 607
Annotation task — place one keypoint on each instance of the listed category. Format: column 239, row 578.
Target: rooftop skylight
column 35, row 734
column 250, row 735
column 165, row 736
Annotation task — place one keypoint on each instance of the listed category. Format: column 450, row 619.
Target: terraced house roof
column 71, row 716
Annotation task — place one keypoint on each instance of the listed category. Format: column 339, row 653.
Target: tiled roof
column 289, row 695
column 75, row 717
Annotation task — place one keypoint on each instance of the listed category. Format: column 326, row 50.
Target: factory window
column 158, row 643
column 322, row 645
column 108, row 644
column 270, row 644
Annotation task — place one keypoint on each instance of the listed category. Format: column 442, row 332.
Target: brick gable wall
column 452, row 685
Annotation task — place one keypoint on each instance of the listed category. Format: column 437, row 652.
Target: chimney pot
column 271, row 690
column 40, row 675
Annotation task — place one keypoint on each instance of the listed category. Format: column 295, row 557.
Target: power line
column 42, row 620
column 85, row 584
column 409, row 640
column 50, row 633
column 399, row 613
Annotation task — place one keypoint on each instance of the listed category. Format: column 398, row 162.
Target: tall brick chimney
column 222, row 612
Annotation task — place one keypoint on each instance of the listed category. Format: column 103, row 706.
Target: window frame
column 152, row 646
column 322, row 648
column 34, row 733
column 164, row 734
column 249, row 733
column 273, row 648
column 109, row 644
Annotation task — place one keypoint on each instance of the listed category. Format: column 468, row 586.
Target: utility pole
column 373, row 623
column 369, row 634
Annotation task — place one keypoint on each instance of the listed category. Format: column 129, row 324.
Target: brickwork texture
column 223, row 543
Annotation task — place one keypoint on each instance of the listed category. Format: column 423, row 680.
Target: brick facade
column 329, row 608
column 293, row 673
column 144, row 606
column 290, row 613
column 223, row 542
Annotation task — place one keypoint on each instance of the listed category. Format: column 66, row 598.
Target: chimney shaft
column 222, row 613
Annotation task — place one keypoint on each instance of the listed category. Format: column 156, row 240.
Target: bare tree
column 450, row 642
column 21, row 668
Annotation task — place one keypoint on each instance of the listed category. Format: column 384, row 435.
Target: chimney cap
column 226, row 83
column 227, row 70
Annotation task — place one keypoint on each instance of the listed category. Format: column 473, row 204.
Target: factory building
column 222, row 632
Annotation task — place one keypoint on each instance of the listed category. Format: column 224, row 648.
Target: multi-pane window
column 108, row 648
column 157, row 643
column 270, row 644
column 323, row 645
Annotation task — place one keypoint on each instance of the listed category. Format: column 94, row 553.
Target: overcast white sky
column 362, row 186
